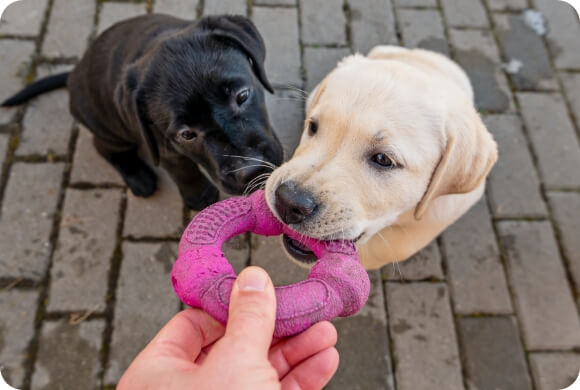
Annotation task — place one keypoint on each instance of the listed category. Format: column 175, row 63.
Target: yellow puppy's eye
column 312, row 127
column 382, row 160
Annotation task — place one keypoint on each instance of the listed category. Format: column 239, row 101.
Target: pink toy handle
column 337, row 285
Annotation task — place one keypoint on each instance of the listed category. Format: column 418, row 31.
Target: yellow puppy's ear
column 470, row 153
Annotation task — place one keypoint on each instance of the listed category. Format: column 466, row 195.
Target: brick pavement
column 491, row 304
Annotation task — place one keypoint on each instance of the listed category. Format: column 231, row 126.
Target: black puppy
column 191, row 91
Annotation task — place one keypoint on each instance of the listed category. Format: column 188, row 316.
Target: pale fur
column 421, row 104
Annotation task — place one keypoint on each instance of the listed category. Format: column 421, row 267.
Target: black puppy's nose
column 293, row 204
column 246, row 174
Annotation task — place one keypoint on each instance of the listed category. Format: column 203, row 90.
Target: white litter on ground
column 535, row 20
column 513, row 66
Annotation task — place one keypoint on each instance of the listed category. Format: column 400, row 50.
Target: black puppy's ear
column 240, row 31
column 131, row 104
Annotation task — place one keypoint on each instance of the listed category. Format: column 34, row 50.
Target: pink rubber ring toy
column 337, row 285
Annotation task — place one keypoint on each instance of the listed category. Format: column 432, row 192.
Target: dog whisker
column 269, row 164
column 247, row 166
column 402, row 277
column 256, row 182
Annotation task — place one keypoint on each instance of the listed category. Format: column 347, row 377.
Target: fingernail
column 252, row 279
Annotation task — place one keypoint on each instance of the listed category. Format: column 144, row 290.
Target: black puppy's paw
column 199, row 201
column 142, row 182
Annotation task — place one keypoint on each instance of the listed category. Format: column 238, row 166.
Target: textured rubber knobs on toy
column 337, row 285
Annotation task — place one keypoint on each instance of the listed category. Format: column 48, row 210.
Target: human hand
column 195, row 351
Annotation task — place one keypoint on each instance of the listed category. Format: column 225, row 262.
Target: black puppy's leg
column 138, row 176
column 196, row 190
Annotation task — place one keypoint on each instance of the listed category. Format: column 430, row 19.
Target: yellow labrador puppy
column 393, row 152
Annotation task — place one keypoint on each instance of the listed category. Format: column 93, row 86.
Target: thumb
column 252, row 313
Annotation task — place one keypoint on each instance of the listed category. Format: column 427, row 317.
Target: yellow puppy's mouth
column 300, row 252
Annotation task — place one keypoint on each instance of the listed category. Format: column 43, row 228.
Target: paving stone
column 268, row 253
column 237, row 251
column 504, row 5
column 4, row 140
column 537, row 278
column 16, row 57
column 160, row 215
column 423, row 29
column 372, row 23
column 553, row 138
column 424, row 342
column 69, row 28
column 521, row 43
column 416, row 3
column 566, row 212
column 477, row 53
column 465, row 13
column 554, row 370
column 181, row 9
column 425, row 264
column 225, row 7
column 319, row 62
column 364, row 356
column 323, row 22
column 275, row 2
column 68, row 356
column 18, row 310
column 514, row 173
column 492, row 353
column 476, row 275
column 144, row 278
column 7, row 114
column 23, row 17
column 47, row 124
column 84, row 249
column 89, row 166
column 286, row 111
column 571, row 84
column 28, row 210
column 279, row 29
column 563, row 32
column 112, row 13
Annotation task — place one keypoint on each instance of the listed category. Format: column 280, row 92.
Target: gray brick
column 554, row 370
column 364, row 356
column 279, row 29
column 112, row 13
column 514, row 173
column 16, row 57
column 521, row 43
column 286, row 111
column 537, row 278
column 66, row 17
column 144, row 277
column 503, row 5
column 553, row 138
column 275, row 2
column 478, row 55
column 7, row 114
column 416, row 3
column 23, row 17
column 563, row 32
column 225, row 7
column 4, row 140
column 84, row 249
column 68, row 356
column 372, row 23
column 424, row 342
column 319, row 62
column 18, row 310
column 268, row 253
column 180, row 9
column 476, row 275
column 425, row 264
column 465, row 13
column 423, row 29
column 89, row 166
column 566, row 212
column 160, row 215
column 47, row 123
column 492, row 353
column 237, row 251
column 571, row 84
column 27, row 216
column 323, row 22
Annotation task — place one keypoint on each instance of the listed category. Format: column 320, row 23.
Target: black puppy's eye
column 187, row 134
column 383, row 161
column 312, row 127
column 242, row 96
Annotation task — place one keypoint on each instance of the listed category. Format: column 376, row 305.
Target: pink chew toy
column 337, row 285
